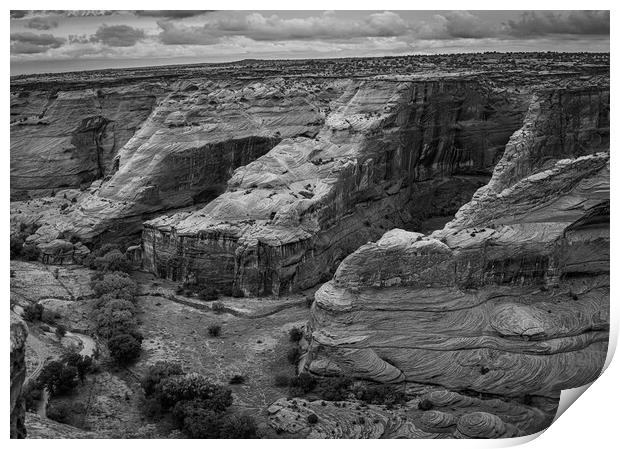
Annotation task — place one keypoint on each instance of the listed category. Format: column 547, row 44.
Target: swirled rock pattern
column 511, row 298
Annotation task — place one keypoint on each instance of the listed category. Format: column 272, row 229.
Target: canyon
column 453, row 212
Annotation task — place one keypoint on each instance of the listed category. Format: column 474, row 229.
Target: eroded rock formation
column 19, row 332
column 387, row 152
column 512, row 296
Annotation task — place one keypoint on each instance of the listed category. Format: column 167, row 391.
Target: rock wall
column 19, row 332
column 63, row 137
column 387, row 152
column 512, row 296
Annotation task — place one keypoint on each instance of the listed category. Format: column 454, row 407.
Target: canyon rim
column 404, row 236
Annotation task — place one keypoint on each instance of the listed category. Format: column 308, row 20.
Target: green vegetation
column 214, row 329
column 295, row 334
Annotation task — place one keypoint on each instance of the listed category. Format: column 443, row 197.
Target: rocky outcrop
column 19, row 332
column 451, row 415
column 387, row 152
column 511, row 298
column 62, row 136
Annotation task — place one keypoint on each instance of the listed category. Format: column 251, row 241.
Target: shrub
column 282, row 380
column 31, row 252
column 33, row 312
column 309, row 301
column 312, row 419
column 295, row 334
column 113, row 261
column 239, row 427
column 117, row 284
column 236, row 379
column 304, row 382
column 83, row 364
column 17, row 246
column 334, row 388
column 425, row 404
column 151, row 407
column 214, row 330
column 114, row 322
column 156, row 373
column 195, row 387
column 58, row 412
column 383, row 394
column 61, row 331
column 208, row 294
column 32, row 395
column 218, row 307
column 58, row 378
column 124, row 348
column 292, row 355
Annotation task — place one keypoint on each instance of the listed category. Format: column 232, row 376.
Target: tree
column 113, row 261
column 158, row 372
column 295, row 334
column 118, row 284
column 124, row 348
column 17, row 245
column 195, row 387
column 82, row 363
column 58, row 378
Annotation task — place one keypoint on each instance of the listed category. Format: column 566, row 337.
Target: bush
column 218, row 307
column 383, row 394
column 304, row 382
column 124, row 348
column 425, row 404
column 32, row 395
column 33, row 312
column 197, row 420
column 214, row 330
column 118, row 284
column 113, row 261
column 334, row 388
column 17, row 246
column 309, row 301
column 58, row 378
column 292, row 355
column 83, row 364
column 31, row 252
column 65, row 413
column 156, row 373
column 282, row 380
column 236, row 379
column 195, row 387
column 312, row 419
column 208, row 294
column 61, row 331
column 114, row 322
column 295, row 334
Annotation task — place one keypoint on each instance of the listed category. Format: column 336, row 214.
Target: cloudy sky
column 53, row 41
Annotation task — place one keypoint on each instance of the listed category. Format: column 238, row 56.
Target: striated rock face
column 511, row 297
column 63, row 135
column 387, row 152
column 187, row 149
column 19, row 332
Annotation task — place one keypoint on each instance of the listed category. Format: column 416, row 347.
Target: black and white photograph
column 306, row 224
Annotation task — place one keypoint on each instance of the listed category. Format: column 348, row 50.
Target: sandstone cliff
column 512, row 296
column 19, row 332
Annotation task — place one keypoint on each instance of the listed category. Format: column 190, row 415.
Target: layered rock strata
column 512, row 297
column 388, row 154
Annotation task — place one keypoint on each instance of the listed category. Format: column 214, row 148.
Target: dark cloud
column 18, row 13
column 258, row 27
column 540, row 23
column 41, row 23
column 170, row 14
column 118, row 35
column 27, row 42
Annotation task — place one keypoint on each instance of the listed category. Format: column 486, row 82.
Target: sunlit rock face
column 512, row 296
column 184, row 153
column 387, row 154
column 19, row 332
